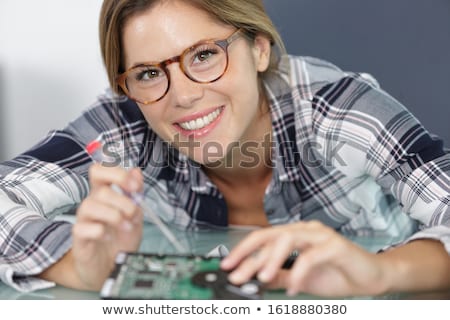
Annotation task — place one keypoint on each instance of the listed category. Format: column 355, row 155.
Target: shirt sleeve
column 51, row 179
column 380, row 138
column 34, row 190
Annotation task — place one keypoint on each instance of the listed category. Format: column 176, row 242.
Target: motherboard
column 173, row 277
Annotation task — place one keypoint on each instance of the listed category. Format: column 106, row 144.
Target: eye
column 203, row 54
column 148, row 73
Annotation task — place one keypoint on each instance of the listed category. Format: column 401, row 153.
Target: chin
column 212, row 162
column 208, row 161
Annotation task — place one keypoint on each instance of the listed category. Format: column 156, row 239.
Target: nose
column 183, row 90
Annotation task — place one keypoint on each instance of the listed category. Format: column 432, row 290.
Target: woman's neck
column 249, row 160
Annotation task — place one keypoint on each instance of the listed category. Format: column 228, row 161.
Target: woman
column 226, row 130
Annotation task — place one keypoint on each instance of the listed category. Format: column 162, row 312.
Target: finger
column 246, row 247
column 250, row 265
column 94, row 211
column 138, row 218
column 304, row 235
column 312, row 233
column 280, row 280
column 309, row 260
column 280, row 251
column 136, row 175
column 89, row 232
column 121, row 202
column 100, row 175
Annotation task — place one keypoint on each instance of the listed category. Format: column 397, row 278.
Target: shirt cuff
column 440, row 233
column 23, row 284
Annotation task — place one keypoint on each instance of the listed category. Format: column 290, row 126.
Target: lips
column 200, row 124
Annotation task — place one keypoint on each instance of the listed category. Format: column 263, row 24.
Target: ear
column 261, row 52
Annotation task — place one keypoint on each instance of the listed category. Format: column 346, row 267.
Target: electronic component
column 173, row 277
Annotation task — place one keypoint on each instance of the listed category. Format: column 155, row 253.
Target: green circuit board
column 173, row 277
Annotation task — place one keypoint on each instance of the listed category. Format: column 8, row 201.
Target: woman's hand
column 107, row 222
column 328, row 264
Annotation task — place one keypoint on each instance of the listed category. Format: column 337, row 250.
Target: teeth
column 200, row 122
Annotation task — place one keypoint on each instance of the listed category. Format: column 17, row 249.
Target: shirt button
column 270, row 212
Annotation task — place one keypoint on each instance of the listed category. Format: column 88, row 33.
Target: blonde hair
column 249, row 15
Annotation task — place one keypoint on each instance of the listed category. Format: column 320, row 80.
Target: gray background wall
column 405, row 44
column 50, row 68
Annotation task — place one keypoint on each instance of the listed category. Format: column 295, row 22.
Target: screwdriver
column 94, row 149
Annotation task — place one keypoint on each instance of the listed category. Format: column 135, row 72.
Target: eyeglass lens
column 203, row 63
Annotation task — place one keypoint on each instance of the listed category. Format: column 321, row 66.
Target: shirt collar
column 184, row 170
column 283, row 105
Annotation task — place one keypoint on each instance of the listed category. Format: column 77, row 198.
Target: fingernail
column 224, row 262
column 234, row 277
column 264, row 276
column 291, row 292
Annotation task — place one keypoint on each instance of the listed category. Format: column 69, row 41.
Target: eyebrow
column 143, row 64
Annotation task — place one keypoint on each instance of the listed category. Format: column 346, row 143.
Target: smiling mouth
column 202, row 122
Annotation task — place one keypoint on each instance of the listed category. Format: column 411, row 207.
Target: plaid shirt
column 344, row 153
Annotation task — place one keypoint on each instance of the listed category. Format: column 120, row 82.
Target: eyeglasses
column 205, row 62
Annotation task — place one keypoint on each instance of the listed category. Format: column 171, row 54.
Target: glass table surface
column 201, row 243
